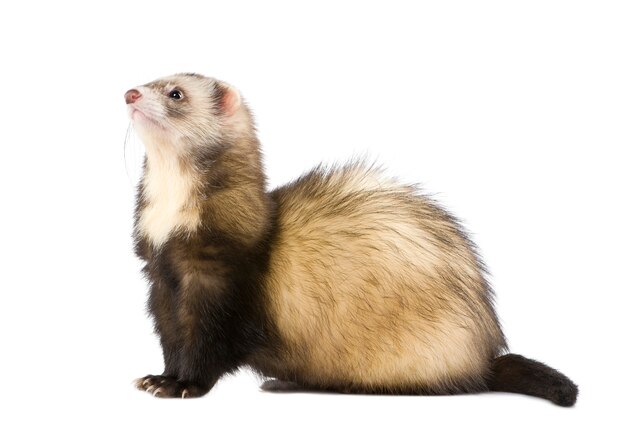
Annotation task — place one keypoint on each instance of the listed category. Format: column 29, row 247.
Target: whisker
column 136, row 156
column 126, row 138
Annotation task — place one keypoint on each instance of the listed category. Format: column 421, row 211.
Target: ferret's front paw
column 169, row 387
column 148, row 383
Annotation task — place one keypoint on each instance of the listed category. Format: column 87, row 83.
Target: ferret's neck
column 218, row 189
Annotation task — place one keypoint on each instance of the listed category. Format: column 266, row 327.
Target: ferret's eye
column 176, row 94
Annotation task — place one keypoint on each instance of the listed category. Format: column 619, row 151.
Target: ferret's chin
column 143, row 122
column 138, row 116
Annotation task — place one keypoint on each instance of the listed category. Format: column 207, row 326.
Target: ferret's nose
column 132, row 96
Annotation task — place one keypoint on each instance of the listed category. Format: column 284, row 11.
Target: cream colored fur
column 169, row 181
column 170, row 201
column 362, row 287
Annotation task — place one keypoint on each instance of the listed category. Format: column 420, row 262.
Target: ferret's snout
column 132, row 96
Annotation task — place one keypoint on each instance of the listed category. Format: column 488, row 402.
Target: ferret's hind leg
column 277, row 385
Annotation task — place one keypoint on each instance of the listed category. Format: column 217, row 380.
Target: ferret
column 343, row 280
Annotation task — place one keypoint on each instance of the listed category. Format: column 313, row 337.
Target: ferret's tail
column 515, row 373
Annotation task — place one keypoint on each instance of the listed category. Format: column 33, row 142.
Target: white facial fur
column 172, row 130
column 196, row 119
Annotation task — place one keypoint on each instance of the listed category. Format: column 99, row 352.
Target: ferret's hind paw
column 276, row 385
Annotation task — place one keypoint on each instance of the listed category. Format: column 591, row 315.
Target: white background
column 510, row 113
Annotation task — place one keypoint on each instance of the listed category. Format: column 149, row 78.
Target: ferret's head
column 186, row 111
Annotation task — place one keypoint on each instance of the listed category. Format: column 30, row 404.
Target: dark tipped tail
column 515, row 373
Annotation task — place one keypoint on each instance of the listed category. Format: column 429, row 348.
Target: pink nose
column 132, row 96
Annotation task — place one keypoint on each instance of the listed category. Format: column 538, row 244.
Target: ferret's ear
column 229, row 99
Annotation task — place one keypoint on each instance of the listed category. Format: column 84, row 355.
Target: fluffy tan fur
column 373, row 286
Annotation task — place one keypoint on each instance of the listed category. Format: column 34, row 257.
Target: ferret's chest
column 169, row 204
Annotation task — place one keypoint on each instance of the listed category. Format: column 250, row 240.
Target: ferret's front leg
column 193, row 325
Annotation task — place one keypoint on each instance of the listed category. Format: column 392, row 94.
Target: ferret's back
column 371, row 285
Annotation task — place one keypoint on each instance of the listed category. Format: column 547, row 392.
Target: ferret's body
column 371, row 287
column 343, row 280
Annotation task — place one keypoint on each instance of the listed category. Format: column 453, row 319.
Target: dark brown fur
column 515, row 373
column 205, row 295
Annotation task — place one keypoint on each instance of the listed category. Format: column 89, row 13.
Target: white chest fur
column 170, row 205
